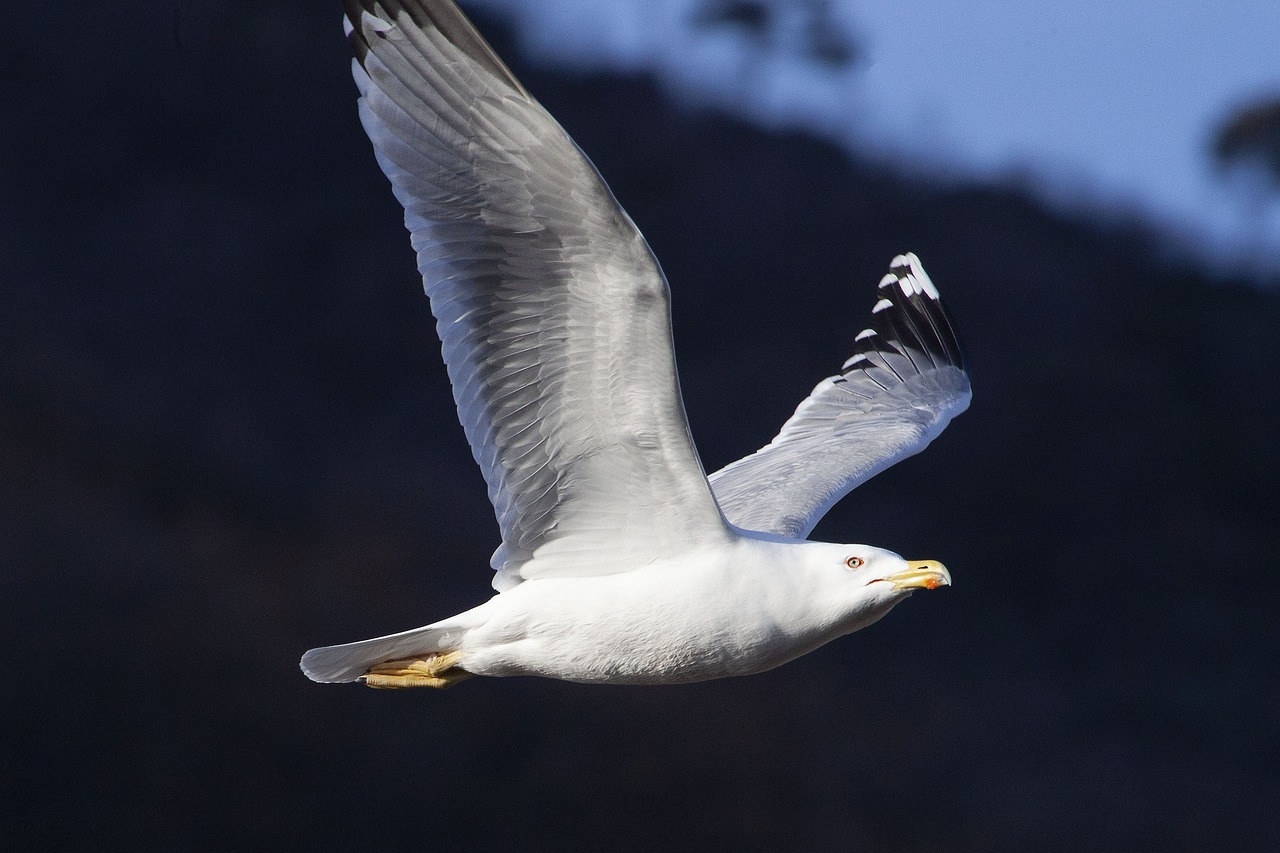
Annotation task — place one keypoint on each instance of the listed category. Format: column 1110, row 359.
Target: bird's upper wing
column 553, row 313
column 898, row 391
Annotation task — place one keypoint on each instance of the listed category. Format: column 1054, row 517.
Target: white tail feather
column 350, row 661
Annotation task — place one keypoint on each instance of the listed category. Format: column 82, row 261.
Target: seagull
column 621, row 561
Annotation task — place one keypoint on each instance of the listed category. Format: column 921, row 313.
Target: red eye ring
column 855, row 562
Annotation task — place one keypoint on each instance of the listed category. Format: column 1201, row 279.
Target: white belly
column 649, row 626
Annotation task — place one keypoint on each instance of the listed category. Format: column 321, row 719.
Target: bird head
column 868, row 581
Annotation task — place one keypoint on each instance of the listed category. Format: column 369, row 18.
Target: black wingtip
column 355, row 32
column 443, row 16
column 910, row 329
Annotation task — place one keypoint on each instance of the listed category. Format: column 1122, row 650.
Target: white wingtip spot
column 865, row 333
column 881, row 305
column 374, row 23
column 926, row 283
column 907, row 271
column 888, row 279
column 854, row 359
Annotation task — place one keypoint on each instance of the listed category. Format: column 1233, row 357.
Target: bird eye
column 855, row 562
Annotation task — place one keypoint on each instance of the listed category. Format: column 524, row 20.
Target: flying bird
column 621, row 561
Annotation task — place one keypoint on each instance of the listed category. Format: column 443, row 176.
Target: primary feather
column 553, row 313
column 897, row 392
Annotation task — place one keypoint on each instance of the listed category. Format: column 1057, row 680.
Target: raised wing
column 552, row 311
column 899, row 390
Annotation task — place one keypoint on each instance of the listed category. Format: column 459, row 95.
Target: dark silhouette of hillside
column 226, row 437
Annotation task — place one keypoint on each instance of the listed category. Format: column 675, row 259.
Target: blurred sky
column 1100, row 106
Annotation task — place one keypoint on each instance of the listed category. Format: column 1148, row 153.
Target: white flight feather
column 553, row 314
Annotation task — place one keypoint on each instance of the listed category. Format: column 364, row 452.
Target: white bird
column 621, row 561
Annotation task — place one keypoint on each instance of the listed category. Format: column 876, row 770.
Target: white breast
column 708, row 615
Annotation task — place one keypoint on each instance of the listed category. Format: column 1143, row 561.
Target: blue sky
column 1098, row 105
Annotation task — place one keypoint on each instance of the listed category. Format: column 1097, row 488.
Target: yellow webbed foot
column 439, row 671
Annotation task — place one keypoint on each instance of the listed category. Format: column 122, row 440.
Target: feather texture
column 901, row 387
column 552, row 311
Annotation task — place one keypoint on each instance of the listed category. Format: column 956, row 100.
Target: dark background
column 226, row 437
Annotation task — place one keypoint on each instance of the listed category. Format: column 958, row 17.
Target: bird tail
column 351, row 660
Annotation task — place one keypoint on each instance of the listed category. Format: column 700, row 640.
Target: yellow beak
column 921, row 574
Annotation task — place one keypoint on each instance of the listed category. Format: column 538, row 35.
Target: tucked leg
column 439, row 671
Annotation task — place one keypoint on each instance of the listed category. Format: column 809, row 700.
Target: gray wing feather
column 552, row 312
column 898, row 391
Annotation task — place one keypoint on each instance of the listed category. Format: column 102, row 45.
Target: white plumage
column 620, row 560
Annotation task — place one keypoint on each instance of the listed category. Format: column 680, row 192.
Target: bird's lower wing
column 898, row 391
column 552, row 311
